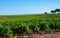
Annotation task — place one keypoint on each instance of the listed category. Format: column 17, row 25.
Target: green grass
column 28, row 17
column 19, row 24
column 17, row 17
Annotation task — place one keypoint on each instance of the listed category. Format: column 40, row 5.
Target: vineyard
column 21, row 24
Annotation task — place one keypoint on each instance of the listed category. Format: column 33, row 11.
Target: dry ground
column 41, row 34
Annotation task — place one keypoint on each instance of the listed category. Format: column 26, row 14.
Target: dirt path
column 41, row 34
column 53, row 34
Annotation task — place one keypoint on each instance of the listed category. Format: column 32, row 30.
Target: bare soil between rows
column 41, row 34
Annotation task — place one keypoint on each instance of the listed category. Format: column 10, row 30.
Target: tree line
column 54, row 11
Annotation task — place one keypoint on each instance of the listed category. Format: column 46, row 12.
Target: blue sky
column 15, row 7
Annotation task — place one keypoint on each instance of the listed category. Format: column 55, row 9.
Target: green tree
column 45, row 13
column 57, row 10
column 52, row 11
